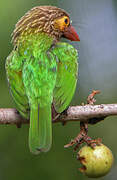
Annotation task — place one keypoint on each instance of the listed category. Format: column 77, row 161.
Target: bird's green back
column 41, row 72
column 31, row 70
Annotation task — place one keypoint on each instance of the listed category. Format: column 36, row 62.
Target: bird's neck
column 35, row 42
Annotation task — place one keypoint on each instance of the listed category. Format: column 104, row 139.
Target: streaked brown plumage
column 39, row 19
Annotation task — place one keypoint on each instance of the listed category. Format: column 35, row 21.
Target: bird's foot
column 82, row 137
column 92, row 142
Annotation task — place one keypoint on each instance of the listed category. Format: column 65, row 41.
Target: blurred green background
column 96, row 23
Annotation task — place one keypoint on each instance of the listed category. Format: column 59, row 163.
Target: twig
column 91, row 100
column 74, row 113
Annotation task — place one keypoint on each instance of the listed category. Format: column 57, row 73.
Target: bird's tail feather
column 40, row 132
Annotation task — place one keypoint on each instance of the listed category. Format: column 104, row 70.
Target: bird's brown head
column 48, row 19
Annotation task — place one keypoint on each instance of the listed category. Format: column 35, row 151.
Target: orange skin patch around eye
column 60, row 23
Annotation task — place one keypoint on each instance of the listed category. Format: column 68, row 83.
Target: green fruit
column 96, row 162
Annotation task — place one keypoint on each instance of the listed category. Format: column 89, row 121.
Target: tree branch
column 74, row 113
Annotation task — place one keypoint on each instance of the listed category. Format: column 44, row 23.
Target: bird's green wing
column 14, row 75
column 67, row 71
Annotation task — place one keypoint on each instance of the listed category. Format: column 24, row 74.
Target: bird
column 41, row 70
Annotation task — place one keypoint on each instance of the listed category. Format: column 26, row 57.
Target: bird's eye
column 62, row 23
column 66, row 21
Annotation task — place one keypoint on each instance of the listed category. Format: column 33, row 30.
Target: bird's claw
column 82, row 137
column 86, row 139
column 92, row 142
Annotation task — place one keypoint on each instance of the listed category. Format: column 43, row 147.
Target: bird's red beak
column 71, row 34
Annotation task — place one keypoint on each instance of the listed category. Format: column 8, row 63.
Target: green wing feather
column 14, row 75
column 67, row 72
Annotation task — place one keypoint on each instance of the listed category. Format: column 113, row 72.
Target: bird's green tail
column 40, row 132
